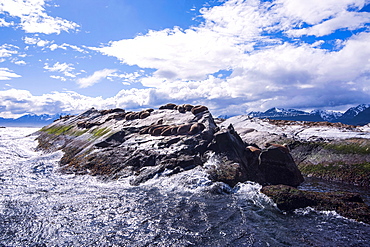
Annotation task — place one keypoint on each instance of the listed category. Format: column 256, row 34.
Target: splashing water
column 41, row 207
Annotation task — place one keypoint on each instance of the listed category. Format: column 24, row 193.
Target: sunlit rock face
column 142, row 145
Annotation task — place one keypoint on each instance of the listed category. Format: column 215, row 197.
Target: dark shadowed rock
column 279, row 167
column 347, row 204
column 271, row 166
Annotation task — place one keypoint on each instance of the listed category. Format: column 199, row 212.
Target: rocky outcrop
column 347, row 204
column 141, row 145
column 346, row 161
column 331, row 151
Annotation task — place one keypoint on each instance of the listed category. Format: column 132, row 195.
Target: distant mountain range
column 29, row 120
column 359, row 115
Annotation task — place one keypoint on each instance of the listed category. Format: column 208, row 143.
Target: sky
column 234, row 56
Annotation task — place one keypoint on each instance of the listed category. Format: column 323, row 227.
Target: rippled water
column 41, row 207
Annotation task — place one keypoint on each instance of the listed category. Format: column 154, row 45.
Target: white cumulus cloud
column 65, row 68
column 64, row 46
column 33, row 17
column 36, row 41
column 95, row 77
column 7, row 74
column 261, row 44
column 7, row 50
column 243, row 56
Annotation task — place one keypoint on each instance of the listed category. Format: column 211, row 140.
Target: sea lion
column 183, row 129
column 144, row 130
column 168, row 130
column 152, row 127
column 168, row 106
column 284, row 148
column 144, row 114
column 188, row 107
column 180, row 108
column 136, row 115
column 115, row 110
column 157, row 131
column 86, row 125
column 254, row 149
column 196, row 128
column 81, row 124
column 129, row 115
column 132, row 116
column 104, row 112
column 199, row 108
column 118, row 117
column 174, row 130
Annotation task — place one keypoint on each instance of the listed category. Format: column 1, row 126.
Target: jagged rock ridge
column 141, row 145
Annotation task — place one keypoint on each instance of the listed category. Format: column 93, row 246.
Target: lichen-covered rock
column 345, row 161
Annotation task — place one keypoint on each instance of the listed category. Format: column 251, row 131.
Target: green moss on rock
column 350, row 146
column 57, row 130
column 99, row 132
column 358, row 174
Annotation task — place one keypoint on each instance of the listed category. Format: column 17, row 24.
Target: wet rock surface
column 142, row 145
column 349, row 205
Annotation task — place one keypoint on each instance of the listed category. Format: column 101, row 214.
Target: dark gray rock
column 279, row 167
column 347, row 204
column 115, row 146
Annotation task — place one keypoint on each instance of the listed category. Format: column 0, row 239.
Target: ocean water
column 41, row 207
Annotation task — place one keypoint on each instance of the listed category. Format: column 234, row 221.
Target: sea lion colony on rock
column 184, row 108
column 195, row 136
column 167, row 130
column 120, row 115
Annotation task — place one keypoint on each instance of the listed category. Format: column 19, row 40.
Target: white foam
column 250, row 191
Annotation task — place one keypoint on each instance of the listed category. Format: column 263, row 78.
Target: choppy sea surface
column 41, row 207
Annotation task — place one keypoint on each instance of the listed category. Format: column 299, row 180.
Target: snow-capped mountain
column 350, row 115
column 278, row 112
column 327, row 115
column 362, row 118
column 359, row 115
column 29, row 120
column 287, row 114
